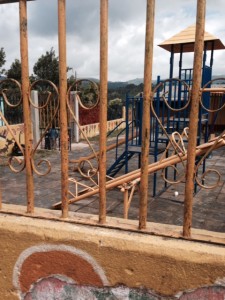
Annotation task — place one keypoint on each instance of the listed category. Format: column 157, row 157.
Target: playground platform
column 166, row 207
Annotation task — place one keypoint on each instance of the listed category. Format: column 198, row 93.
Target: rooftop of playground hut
column 184, row 41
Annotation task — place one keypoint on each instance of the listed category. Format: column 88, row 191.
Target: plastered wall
column 42, row 259
column 6, row 139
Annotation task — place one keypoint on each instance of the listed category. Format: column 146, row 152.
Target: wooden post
column 0, row 195
column 146, row 113
column 125, row 203
column 103, row 107
column 62, row 100
column 26, row 106
column 193, row 124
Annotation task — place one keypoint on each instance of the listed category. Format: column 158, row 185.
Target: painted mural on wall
column 61, row 272
column 6, row 139
column 92, row 130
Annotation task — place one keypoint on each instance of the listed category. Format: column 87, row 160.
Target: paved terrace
column 167, row 208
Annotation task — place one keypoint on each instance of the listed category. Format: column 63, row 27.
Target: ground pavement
column 166, row 207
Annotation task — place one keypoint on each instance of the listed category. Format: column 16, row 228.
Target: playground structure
column 129, row 182
column 160, row 114
column 174, row 151
column 170, row 106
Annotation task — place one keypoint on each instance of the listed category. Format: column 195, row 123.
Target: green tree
column 47, row 67
column 15, row 70
column 2, row 60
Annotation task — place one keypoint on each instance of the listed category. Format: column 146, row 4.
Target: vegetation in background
column 2, row 60
column 15, row 70
column 47, row 67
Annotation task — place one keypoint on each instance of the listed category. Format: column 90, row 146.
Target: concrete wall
column 92, row 130
column 43, row 259
column 7, row 140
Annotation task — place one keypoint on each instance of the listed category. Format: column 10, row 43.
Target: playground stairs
column 119, row 163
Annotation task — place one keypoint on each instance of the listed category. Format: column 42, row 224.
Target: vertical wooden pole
column 26, row 106
column 193, row 124
column 149, row 39
column 125, row 203
column 62, row 100
column 0, row 195
column 103, row 107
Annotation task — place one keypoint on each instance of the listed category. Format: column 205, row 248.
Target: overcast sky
column 126, row 34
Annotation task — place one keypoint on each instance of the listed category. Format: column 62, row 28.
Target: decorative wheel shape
column 86, row 168
column 47, row 89
column 87, row 91
column 10, row 90
column 221, row 105
column 171, row 87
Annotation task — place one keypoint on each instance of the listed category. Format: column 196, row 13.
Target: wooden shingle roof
column 187, row 38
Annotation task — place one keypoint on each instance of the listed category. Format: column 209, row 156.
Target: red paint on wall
column 44, row 264
column 88, row 116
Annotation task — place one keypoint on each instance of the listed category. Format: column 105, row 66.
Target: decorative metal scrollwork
column 216, row 174
column 87, row 91
column 10, row 90
column 48, row 96
column 206, row 89
column 202, row 179
column 87, row 95
column 176, row 140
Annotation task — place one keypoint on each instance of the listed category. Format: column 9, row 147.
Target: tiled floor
column 167, row 208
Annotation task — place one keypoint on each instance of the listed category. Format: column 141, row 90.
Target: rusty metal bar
column 108, row 148
column 103, row 108
column 146, row 113
column 0, row 195
column 154, row 167
column 62, row 100
column 214, row 90
column 193, row 124
column 26, row 107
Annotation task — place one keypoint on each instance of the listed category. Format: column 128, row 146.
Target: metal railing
column 58, row 95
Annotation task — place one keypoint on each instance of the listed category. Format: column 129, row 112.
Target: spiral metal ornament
column 216, row 174
column 16, row 164
column 204, row 89
column 177, row 145
column 178, row 173
column 86, row 168
column 176, row 140
column 40, row 163
column 88, row 92
column 161, row 87
column 92, row 92
column 10, row 90
column 9, row 87
column 49, row 92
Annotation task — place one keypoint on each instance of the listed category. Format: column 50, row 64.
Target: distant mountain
column 117, row 84
column 220, row 81
column 218, row 76
column 138, row 81
column 135, row 81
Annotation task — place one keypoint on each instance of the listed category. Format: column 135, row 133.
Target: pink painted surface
column 207, row 293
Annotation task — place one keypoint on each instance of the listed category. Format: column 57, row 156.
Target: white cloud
column 126, row 33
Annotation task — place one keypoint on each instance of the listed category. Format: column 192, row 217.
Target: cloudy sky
column 126, row 34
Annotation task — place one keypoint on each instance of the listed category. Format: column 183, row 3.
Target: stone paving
column 167, row 207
